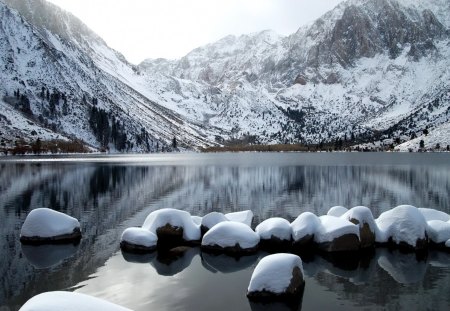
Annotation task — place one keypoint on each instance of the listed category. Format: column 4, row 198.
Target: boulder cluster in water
column 406, row 227
column 277, row 276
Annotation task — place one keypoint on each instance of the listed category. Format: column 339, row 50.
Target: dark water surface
column 110, row 193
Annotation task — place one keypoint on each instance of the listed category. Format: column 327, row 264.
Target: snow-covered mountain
column 59, row 77
column 368, row 66
column 368, row 69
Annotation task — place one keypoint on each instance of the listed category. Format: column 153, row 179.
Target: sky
column 142, row 29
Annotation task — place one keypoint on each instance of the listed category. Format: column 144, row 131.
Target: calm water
column 110, row 193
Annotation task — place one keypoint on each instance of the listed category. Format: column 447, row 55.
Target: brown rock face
column 366, row 236
column 345, row 243
column 134, row 248
column 236, row 250
column 275, row 244
column 304, row 243
column 169, row 236
column 75, row 236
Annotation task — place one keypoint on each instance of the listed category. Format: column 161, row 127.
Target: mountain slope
column 46, row 50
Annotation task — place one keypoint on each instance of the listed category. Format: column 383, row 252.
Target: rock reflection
column 174, row 261
column 138, row 257
column 356, row 268
column 403, row 268
column 295, row 305
column 227, row 264
column 47, row 256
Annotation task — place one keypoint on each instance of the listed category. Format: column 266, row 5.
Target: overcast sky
column 143, row 29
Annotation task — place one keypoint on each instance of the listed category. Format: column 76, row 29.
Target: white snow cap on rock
column 305, row 224
column 230, row 233
column 175, row 218
column 334, row 227
column 403, row 223
column 67, row 301
column 438, row 231
column 244, row 217
column 139, row 236
column 277, row 227
column 432, row 214
column 274, row 273
column 197, row 220
column 337, row 211
column 47, row 223
column 362, row 214
column 212, row 219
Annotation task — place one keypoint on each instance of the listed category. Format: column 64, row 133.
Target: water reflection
column 227, row 264
column 174, row 261
column 109, row 195
column 47, row 256
column 381, row 279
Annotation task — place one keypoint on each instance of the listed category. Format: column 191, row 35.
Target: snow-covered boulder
column 404, row 226
column 432, row 214
column 138, row 240
column 275, row 233
column 172, row 227
column 337, row 211
column 68, row 301
column 210, row 220
column 244, row 217
column 438, row 232
column 277, row 276
column 362, row 216
column 231, row 237
column 304, row 227
column 44, row 225
column 336, row 234
column 197, row 220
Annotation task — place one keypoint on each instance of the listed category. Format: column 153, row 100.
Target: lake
column 110, row 193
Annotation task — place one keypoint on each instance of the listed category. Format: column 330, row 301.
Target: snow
column 175, row 218
column 244, row 217
column 363, row 215
column 437, row 135
column 139, row 236
column 333, row 227
column 47, row 223
column 403, row 223
column 67, row 301
column 432, row 214
column 197, row 220
column 337, row 211
column 274, row 227
column 230, row 233
column 212, row 219
column 274, row 273
column 305, row 224
column 438, row 231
